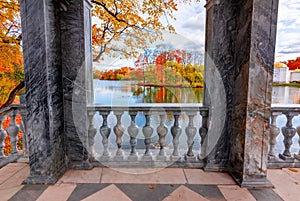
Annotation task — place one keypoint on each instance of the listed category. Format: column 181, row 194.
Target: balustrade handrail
column 12, row 107
column 13, row 130
column 148, row 107
column 285, row 109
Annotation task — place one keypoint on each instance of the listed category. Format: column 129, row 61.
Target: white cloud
column 288, row 30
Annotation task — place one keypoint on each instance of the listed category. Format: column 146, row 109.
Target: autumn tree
column 11, row 63
column 294, row 64
column 134, row 24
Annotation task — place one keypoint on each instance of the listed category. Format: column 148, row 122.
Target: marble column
column 76, row 49
column 240, row 49
column 55, row 49
column 44, row 100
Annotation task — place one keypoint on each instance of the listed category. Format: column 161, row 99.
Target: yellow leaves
column 11, row 60
column 133, row 23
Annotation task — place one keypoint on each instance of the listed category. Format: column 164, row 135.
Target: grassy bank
column 293, row 84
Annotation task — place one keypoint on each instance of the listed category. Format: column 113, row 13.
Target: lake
column 129, row 93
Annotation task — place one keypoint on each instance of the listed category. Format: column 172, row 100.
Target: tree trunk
column 13, row 94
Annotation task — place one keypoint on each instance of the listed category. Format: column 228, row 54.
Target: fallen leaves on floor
column 292, row 170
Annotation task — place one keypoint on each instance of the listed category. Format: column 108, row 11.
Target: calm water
column 128, row 93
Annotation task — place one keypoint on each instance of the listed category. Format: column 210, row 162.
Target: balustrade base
column 189, row 158
column 133, row 157
column 11, row 158
column 146, row 158
column 175, row 158
column 105, row 158
column 149, row 164
column 161, row 158
column 119, row 158
column 286, row 158
column 297, row 156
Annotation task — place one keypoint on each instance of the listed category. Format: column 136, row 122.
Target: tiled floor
column 146, row 184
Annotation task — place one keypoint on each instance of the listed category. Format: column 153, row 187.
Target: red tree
column 294, row 64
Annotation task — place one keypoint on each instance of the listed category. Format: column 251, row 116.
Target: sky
column 190, row 24
column 190, row 28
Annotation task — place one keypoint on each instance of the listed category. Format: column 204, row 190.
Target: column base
column 40, row 179
column 253, row 183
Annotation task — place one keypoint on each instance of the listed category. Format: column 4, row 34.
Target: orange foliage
column 11, row 60
column 294, row 64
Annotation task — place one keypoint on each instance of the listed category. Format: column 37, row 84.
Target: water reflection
column 128, row 92
column 286, row 95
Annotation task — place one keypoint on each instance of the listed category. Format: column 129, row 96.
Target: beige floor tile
column 82, row 176
column 60, row 192
column 198, row 176
column 110, row 193
column 9, row 170
column 144, row 176
column 6, row 194
column 286, row 186
column 182, row 193
column 235, row 193
column 16, row 179
column 293, row 172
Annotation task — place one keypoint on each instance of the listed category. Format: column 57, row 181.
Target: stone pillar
column 76, row 49
column 44, row 100
column 241, row 46
column 55, row 46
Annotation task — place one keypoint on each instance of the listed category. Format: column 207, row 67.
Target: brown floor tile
column 9, row 170
column 82, row 176
column 142, row 175
column 287, row 187
column 198, row 176
column 60, row 192
column 183, row 193
column 235, row 193
column 110, row 193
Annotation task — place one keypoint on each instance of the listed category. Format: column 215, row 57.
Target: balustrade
column 12, row 130
column 281, row 151
column 154, row 136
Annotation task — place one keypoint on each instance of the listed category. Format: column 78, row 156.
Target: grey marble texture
column 240, row 44
column 42, row 61
column 55, row 55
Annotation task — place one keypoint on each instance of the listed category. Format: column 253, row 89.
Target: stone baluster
column 176, row 132
column 13, row 130
column 23, row 129
column 119, row 131
column 91, row 133
column 105, row 132
column 162, row 131
column 203, row 132
column 274, row 132
column 288, row 133
column 133, row 132
column 297, row 156
column 147, row 131
column 3, row 135
column 190, row 131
